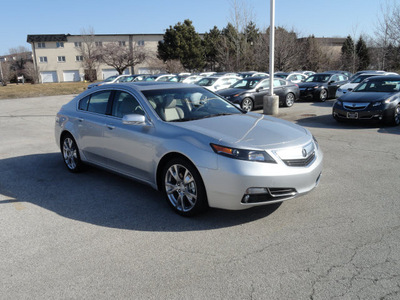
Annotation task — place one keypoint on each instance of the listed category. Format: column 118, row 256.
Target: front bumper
column 369, row 113
column 229, row 185
column 309, row 93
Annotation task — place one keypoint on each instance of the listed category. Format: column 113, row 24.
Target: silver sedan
column 197, row 148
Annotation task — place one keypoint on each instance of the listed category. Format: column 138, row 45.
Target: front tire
column 247, row 104
column 183, row 188
column 323, row 95
column 289, row 100
column 394, row 120
column 70, row 154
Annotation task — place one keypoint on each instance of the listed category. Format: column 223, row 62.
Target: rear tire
column 289, row 100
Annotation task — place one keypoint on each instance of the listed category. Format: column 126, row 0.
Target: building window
column 41, row 45
column 98, row 44
column 140, row 43
column 79, row 58
column 43, row 59
column 60, row 44
column 61, row 58
column 78, row 44
column 122, row 43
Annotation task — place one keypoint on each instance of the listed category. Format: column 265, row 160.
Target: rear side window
column 96, row 103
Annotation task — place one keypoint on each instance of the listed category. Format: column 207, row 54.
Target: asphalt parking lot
column 96, row 235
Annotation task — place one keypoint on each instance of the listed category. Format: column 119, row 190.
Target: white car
column 192, row 79
column 109, row 80
column 215, row 83
column 296, row 77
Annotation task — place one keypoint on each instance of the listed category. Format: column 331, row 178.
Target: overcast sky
column 322, row 18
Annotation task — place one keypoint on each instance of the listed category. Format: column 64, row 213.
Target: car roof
column 384, row 77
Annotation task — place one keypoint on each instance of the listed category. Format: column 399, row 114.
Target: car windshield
column 245, row 84
column 187, row 104
column 111, row 78
column 318, row 78
column 383, row 86
column 126, row 79
column 360, row 78
column 206, row 81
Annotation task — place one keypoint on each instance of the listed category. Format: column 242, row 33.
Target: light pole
column 271, row 102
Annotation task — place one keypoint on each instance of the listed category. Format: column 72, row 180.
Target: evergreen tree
column 182, row 42
column 349, row 55
column 210, row 44
column 362, row 54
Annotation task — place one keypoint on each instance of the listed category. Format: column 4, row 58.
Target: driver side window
column 125, row 104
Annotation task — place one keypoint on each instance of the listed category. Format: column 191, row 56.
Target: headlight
column 316, row 87
column 315, row 141
column 391, row 99
column 375, row 104
column 243, row 154
column 339, row 90
column 339, row 102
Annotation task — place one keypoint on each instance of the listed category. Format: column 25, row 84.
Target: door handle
column 80, row 119
column 111, row 127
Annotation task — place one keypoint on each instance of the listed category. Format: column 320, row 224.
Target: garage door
column 71, row 75
column 48, row 76
column 111, row 72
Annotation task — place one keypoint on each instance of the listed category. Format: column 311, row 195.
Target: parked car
column 293, row 77
column 321, row 86
column 348, row 87
column 192, row 78
column 347, row 73
column 215, row 83
column 159, row 77
column 110, row 79
column 178, row 78
column 249, row 92
column 135, row 77
column 377, row 97
column 258, row 74
column 197, row 148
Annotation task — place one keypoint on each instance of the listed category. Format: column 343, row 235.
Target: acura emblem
column 304, row 153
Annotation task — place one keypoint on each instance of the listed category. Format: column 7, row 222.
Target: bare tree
column 121, row 57
column 89, row 52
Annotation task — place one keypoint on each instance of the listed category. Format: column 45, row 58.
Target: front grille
column 300, row 162
column 355, row 106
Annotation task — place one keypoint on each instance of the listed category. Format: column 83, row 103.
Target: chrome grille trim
column 300, row 162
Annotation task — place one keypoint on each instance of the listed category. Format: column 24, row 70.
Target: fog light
column 246, row 198
column 255, row 190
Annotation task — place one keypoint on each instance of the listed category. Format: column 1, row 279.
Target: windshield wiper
column 217, row 115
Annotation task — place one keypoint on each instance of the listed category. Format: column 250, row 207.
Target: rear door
column 90, row 125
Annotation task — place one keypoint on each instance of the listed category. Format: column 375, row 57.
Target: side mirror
column 332, row 81
column 134, row 119
column 350, row 90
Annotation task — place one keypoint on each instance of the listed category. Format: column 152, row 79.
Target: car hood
column 231, row 91
column 251, row 130
column 365, row 96
column 310, row 84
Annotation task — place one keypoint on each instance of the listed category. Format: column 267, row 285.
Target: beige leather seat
column 170, row 111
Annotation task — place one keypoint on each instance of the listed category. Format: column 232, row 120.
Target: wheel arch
column 163, row 161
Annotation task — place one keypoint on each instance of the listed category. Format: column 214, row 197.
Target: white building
column 57, row 57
